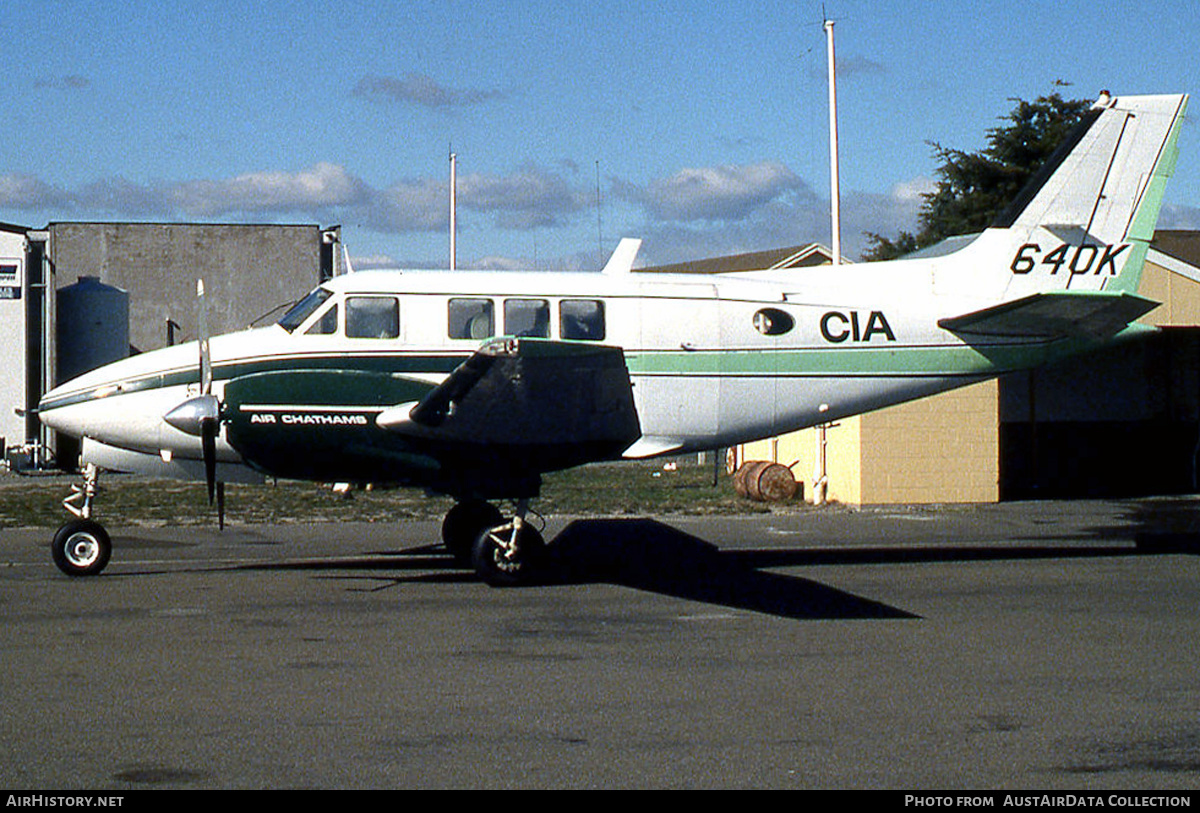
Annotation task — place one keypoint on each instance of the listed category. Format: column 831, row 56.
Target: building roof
column 1181, row 244
column 805, row 256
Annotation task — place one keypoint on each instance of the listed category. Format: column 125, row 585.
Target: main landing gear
column 82, row 547
column 503, row 553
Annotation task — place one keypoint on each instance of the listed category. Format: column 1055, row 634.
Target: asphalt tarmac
column 1017, row 646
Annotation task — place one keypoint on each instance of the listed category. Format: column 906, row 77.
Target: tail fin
column 1085, row 221
column 1066, row 257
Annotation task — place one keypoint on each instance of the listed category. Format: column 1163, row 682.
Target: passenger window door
column 581, row 319
column 471, row 319
column 372, row 317
column 527, row 317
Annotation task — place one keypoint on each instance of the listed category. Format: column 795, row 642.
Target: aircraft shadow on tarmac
column 638, row 553
column 648, row 555
column 652, row 556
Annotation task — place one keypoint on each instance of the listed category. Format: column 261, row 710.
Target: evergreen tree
column 974, row 187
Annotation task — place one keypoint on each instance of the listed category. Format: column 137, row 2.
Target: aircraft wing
column 528, row 392
column 1054, row 315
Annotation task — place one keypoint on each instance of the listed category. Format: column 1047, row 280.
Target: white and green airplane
column 476, row 384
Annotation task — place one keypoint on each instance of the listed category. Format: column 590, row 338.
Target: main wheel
column 463, row 525
column 508, row 555
column 81, row 548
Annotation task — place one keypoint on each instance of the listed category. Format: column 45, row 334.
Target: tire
column 463, row 525
column 81, row 548
column 497, row 570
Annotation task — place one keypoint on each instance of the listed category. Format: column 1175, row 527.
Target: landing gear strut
column 82, row 547
column 508, row 554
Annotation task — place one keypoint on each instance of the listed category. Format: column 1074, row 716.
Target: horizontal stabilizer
column 1054, row 315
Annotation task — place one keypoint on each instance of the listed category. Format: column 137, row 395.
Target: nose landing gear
column 82, row 547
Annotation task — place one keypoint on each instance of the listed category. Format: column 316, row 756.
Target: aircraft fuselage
column 712, row 360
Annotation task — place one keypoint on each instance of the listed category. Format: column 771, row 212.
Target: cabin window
column 581, row 319
column 326, row 324
column 372, row 317
column 773, row 322
column 527, row 317
column 303, row 309
column 471, row 319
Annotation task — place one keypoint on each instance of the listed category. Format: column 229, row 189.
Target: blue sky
column 700, row 127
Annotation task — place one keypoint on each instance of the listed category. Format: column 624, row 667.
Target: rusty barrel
column 763, row 481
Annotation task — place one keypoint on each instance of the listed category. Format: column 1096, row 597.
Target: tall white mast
column 453, row 211
column 834, row 184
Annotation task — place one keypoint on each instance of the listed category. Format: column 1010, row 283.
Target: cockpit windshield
column 303, row 309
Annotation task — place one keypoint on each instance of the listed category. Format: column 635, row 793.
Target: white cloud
column 914, row 189
column 788, row 221
column 322, row 186
column 421, row 90
column 19, row 191
column 698, row 212
column 410, row 205
column 714, row 194
column 849, row 67
column 529, row 198
column 68, row 82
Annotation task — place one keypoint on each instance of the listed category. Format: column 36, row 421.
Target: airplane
column 476, row 384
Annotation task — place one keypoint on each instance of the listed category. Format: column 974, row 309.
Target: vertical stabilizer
column 1085, row 220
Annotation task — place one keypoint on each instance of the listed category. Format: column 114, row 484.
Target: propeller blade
column 208, row 444
column 202, row 330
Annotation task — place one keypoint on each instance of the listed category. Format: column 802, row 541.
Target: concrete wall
column 248, row 270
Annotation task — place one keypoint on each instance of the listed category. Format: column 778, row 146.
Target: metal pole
column 453, row 211
column 835, row 192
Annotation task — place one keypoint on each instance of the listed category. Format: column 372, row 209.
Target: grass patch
column 613, row 489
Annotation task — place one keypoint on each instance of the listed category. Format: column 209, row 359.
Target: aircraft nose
column 55, row 411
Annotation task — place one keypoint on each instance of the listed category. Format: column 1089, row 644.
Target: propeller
column 200, row 415
column 209, row 420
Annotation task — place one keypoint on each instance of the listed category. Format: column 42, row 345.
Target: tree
column 974, row 187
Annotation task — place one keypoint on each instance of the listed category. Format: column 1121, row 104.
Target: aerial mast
column 453, row 210
column 834, row 184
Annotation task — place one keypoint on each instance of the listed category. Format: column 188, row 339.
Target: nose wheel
column 81, row 548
